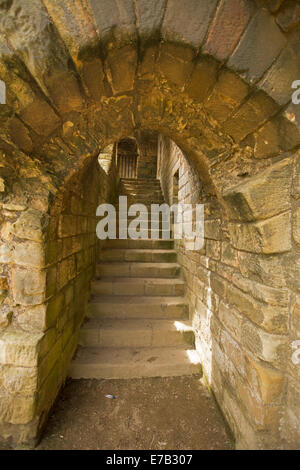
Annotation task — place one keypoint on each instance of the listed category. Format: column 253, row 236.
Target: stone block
column 40, row 117
column 149, row 17
column 29, row 254
column 28, row 286
column 121, row 68
column 19, row 348
column 231, row 319
column 250, row 58
column 227, row 27
column 265, row 382
column 276, row 136
column 175, row 63
column 228, row 93
column 272, row 349
column 191, row 24
column 257, row 198
column 203, row 78
column 289, row 16
column 273, row 319
column 65, row 92
column 17, row 409
column 33, row 319
column 251, row 115
column 21, row 380
column 279, row 78
column 31, row 225
column 269, row 236
column 296, row 225
column 115, row 21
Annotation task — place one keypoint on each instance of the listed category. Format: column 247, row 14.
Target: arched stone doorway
column 87, row 74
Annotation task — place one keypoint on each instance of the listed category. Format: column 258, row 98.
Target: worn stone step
column 136, row 333
column 140, row 255
column 138, row 307
column 141, row 244
column 128, row 269
column 140, row 181
column 125, row 363
column 138, row 286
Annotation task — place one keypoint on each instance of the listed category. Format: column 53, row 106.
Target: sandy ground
column 155, row 414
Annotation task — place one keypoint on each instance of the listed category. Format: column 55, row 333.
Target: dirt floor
column 155, row 414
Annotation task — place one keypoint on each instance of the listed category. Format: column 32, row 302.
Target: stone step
column 125, row 363
column 141, row 244
column 138, row 286
column 127, row 306
column 128, row 269
column 140, row 181
column 140, row 255
column 136, row 333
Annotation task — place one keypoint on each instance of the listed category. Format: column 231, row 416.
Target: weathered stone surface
column 258, row 198
column 65, row 92
column 296, row 181
column 18, row 379
column 114, row 19
column 192, row 23
column 122, row 64
column 266, row 382
column 6, row 253
column 28, row 286
column 16, row 409
column 265, row 346
column 289, row 16
column 175, row 62
column 270, row 236
column 5, row 314
column 40, row 117
column 266, row 294
column 149, row 17
column 249, row 58
column 296, row 225
column 203, row 78
column 292, row 434
column 258, row 109
column 29, row 254
column 276, row 136
column 19, row 348
column 31, row 225
column 278, row 80
column 20, row 135
column 271, row 318
column 93, row 77
column 228, row 93
column 33, row 319
column 227, row 27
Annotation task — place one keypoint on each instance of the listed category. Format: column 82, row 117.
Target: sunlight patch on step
column 193, row 356
column 182, row 327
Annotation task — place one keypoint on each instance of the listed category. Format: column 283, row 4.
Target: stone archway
column 83, row 75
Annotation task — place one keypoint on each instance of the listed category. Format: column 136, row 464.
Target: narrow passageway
column 152, row 413
column 137, row 321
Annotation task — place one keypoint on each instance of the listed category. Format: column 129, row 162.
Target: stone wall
column 147, row 160
column 243, row 307
column 48, row 261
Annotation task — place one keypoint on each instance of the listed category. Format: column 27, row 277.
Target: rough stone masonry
column 213, row 79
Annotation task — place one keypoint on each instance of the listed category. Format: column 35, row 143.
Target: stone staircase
column 138, row 319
